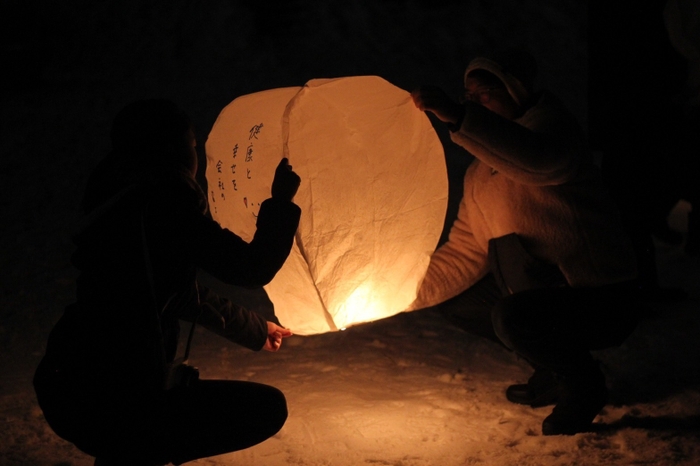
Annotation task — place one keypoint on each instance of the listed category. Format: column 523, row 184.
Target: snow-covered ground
column 406, row 391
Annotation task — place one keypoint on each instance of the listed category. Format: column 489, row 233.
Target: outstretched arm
column 434, row 100
column 252, row 264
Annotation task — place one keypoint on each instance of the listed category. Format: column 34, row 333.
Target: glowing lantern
column 373, row 194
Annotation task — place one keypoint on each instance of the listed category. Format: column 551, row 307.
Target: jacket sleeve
column 229, row 258
column 229, row 320
column 543, row 147
column 454, row 267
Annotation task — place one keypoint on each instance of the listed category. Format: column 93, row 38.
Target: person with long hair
column 108, row 382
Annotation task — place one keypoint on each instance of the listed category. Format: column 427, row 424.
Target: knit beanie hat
column 515, row 68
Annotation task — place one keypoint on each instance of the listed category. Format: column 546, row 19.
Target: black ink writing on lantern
column 221, row 185
column 245, row 201
column 249, row 154
column 247, row 173
column 233, row 169
column 235, row 151
column 218, row 166
column 213, row 198
column 254, row 131
column 235, row 187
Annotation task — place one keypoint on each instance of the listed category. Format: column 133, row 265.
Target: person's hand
column 435, row 100
column 286, row 182
column 275, row 333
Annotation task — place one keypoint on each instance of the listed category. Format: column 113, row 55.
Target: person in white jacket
column 537, row 258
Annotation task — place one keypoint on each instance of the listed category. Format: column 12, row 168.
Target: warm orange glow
column 360, row 306
column 373, row 194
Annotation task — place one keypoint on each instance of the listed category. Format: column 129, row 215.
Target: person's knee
column 277, row 411
column 282, row 411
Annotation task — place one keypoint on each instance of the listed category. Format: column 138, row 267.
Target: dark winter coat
column 145, row 237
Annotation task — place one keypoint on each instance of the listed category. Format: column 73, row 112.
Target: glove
column 286, row 182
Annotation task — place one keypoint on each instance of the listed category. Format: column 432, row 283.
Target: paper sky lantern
column 373, row 194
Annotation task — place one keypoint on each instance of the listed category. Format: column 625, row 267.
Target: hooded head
column 516, row 69
column 151, row 139
column 152, row 131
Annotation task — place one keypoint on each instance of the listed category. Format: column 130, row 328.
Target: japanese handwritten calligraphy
column 232, row 181
column 254, row 131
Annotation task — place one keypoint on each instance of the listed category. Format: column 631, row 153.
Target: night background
column 410, row 390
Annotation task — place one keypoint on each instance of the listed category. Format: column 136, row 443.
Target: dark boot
column 541, row 389
column 583, row 395
column 692, row 245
